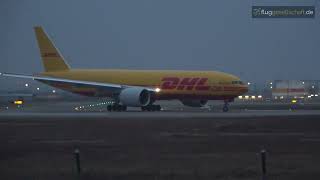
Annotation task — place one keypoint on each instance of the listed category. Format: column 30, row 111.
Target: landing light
column 260, row 96
column 247, row 97
column 253, row 97
column 240, row 97
column 157, row 89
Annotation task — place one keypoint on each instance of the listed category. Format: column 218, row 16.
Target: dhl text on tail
column 137, row 88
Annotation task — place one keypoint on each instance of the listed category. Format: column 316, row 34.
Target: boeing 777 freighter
column 136, row 88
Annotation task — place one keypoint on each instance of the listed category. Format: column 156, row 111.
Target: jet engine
column 194, row 103
column 135, row 97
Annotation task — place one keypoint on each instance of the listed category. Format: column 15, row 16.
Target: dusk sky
column 162, row 34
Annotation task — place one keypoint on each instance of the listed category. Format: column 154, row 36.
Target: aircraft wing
column 81, row 87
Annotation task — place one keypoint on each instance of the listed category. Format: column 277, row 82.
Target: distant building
column 288, row 89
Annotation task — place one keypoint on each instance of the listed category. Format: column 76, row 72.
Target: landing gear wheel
column 158, row 108
column 225, row 107
column 116, row 107
column 109, row 108
column 151, row 108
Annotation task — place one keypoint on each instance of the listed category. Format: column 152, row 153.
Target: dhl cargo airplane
column 136, row 88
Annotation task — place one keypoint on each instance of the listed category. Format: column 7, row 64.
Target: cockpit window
column 237, row 82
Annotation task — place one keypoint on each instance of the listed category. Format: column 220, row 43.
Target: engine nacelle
column 135, row 97
column 194, row 103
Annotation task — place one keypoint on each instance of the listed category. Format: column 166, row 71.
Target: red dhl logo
column 199, row 84
column 50, row 55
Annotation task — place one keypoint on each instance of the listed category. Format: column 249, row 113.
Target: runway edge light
column 18, row 102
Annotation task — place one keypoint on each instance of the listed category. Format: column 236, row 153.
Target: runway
column 157, row 115
column 180, row 145
column 38, row 140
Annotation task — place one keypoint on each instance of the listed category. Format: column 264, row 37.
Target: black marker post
column 77, row 158
column 263, row 164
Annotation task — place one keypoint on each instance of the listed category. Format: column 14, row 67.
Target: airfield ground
column 162, row 145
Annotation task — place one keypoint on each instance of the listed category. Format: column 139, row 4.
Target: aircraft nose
column 245, row 89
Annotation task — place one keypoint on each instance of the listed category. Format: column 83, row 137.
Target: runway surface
column 161, row 114
column 179, row 145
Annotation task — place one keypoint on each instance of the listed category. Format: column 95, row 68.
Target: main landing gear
column 119, row 108
column 151, row 108
column 116, row 107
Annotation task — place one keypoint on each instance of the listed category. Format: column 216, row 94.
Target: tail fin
column 52, row 59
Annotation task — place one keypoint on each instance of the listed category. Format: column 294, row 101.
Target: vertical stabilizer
column 51, row 57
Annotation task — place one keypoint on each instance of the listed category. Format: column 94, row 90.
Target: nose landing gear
column 225, row 107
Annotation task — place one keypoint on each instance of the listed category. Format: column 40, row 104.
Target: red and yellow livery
column 134, row 87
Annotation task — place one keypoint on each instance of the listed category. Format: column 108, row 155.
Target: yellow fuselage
column 173, row 84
